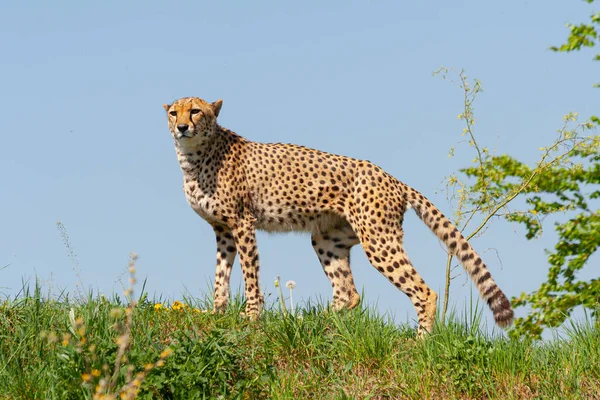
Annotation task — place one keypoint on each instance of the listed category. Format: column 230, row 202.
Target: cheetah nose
column 182, row 127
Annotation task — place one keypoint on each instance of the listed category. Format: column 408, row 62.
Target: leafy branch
column 491, row 185
column 583, row 35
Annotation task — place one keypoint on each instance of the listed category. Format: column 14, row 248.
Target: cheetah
column 239, row 186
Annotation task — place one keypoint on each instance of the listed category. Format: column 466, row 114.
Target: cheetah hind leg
column 386, row 254
column 333, row 251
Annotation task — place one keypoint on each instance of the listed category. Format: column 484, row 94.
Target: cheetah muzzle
column 239, row 186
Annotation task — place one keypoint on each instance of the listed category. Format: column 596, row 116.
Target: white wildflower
column 290, row 285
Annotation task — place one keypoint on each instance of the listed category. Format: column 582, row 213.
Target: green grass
column 49, row 347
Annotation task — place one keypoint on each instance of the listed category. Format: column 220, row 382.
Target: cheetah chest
column 206, row 205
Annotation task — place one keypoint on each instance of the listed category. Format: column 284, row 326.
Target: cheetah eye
column 195, row 111
column 173, row 113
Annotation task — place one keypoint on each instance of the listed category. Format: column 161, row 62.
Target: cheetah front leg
column 333, row 250
column 244, row 235
column 226, row 251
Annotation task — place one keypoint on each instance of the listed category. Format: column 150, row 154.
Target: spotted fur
column 239, row 186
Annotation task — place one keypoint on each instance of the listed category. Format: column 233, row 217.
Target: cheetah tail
column 462, row 250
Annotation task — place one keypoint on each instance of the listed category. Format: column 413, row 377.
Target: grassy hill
column 64, row 349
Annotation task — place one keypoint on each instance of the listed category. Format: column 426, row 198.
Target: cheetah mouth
column 182, row 135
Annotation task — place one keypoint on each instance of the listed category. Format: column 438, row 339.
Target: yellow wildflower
column 66, row 339
column 86, row 377
column 158, row 306
column 166, row 353
column 177, row 305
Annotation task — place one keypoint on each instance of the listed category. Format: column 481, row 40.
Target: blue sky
column 85, row 140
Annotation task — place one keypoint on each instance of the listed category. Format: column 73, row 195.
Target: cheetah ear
column 166, row 106
column 217, row 107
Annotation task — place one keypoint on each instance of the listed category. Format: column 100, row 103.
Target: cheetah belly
column 292, row 220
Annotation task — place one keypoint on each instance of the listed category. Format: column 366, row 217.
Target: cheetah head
column 192, row 120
